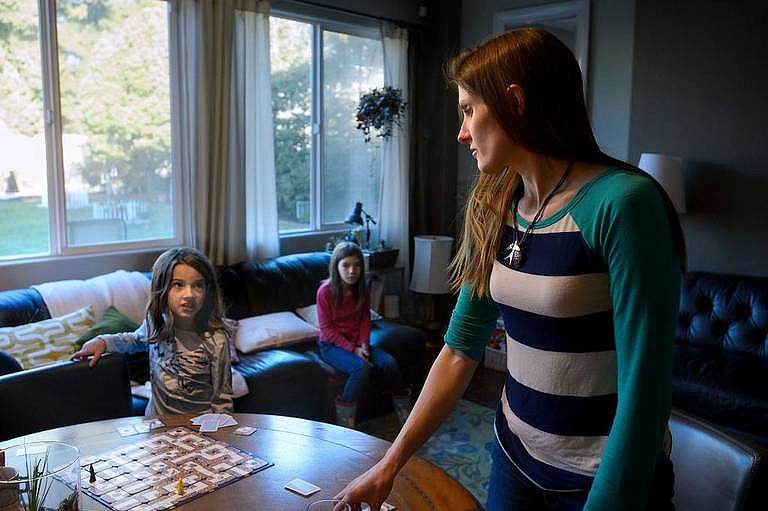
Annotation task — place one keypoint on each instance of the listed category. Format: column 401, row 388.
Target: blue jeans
column 359, row 371
column 510, row 490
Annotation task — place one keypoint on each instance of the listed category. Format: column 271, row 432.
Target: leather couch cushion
column 283, row 382
column 720, row 386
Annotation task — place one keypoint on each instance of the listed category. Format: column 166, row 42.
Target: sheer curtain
column 217, row 142
column 255, row 158
column 395, row 173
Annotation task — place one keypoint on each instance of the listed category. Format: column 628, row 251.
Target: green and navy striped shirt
column 590, row 318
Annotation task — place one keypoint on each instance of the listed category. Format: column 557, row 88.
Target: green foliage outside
column 350, row 167
column 113, row 77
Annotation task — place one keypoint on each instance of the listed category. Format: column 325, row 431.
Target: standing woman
column 582, row 256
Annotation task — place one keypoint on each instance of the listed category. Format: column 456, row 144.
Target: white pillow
column 309, row 314
column 274, row 330
column 50, row 340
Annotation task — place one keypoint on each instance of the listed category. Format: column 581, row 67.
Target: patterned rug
column 461, row 446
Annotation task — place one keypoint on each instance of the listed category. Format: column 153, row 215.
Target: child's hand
column 363, row 353
column 95, row 347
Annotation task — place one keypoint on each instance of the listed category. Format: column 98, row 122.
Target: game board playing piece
column 180, row 487
column 93, row 474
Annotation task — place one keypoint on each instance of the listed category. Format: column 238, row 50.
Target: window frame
column 55, row 174
column 321, row 22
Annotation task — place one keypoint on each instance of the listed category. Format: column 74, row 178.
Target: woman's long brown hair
column 553, row 123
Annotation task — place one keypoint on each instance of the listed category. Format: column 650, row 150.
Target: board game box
column 167, row 469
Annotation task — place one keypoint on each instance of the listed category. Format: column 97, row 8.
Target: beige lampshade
column 431, row 257
column 668, row 171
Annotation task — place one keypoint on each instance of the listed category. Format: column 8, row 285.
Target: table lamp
column 357, row 217
column 668, row 171
column 432, row 254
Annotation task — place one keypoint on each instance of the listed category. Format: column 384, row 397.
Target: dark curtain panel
column 435, row 126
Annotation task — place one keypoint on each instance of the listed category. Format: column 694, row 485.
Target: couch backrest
column 724, row 310
column 283, row 283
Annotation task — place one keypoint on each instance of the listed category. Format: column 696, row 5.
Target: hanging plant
column 380, row 110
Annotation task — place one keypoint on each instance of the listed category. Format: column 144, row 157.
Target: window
column 84, row 127
column 322, row 163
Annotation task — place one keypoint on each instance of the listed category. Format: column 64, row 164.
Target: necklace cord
column 519, row 242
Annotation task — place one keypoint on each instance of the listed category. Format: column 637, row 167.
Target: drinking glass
column 329, row 505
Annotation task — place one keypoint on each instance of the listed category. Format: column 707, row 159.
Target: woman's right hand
column 372, row 487
column 94, row 348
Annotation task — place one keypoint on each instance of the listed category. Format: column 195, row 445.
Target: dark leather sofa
column 721, row 352
column 291, row 381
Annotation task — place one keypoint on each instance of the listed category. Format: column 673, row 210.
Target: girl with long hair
column 343, row 311
column 185, row 335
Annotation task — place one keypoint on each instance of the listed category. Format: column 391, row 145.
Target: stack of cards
column 211, row 422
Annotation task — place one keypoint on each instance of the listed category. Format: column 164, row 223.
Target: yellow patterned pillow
column 50, row 340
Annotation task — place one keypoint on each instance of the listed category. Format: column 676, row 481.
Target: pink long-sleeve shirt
column 345, row 325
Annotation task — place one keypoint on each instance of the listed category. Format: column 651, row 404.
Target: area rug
column 461, row 446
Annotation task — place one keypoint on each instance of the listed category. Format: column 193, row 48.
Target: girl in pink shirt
column 343, row 311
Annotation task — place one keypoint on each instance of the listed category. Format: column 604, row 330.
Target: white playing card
column 209, row 426
column 244, row 430
column 142, row 428
column 302, row 487
column 126, row 430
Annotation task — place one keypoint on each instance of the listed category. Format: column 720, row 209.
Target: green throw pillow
column 115, row 322
column 112, row 322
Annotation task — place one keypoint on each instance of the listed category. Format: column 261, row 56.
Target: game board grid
column 143, row 476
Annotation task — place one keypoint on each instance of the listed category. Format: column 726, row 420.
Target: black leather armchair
column 62, row 394
column 721, row 352
column 715, row 471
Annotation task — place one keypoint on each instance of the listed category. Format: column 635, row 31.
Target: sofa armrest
column 714, row 471
column 63, row 394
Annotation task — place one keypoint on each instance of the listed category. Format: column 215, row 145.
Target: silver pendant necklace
column 516, row 253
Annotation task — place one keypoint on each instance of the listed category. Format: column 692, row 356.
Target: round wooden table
column 323, row 454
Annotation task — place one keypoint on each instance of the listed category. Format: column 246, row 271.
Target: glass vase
column 40, row 476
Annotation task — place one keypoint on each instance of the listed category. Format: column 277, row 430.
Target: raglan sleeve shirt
column 634, row 236
column 472, row 321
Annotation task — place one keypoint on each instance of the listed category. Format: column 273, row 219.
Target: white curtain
column 222, row 118
column 395, row 171
column 255, row 156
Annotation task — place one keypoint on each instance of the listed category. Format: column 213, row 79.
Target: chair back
column 63, row 394
column 714, row 470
